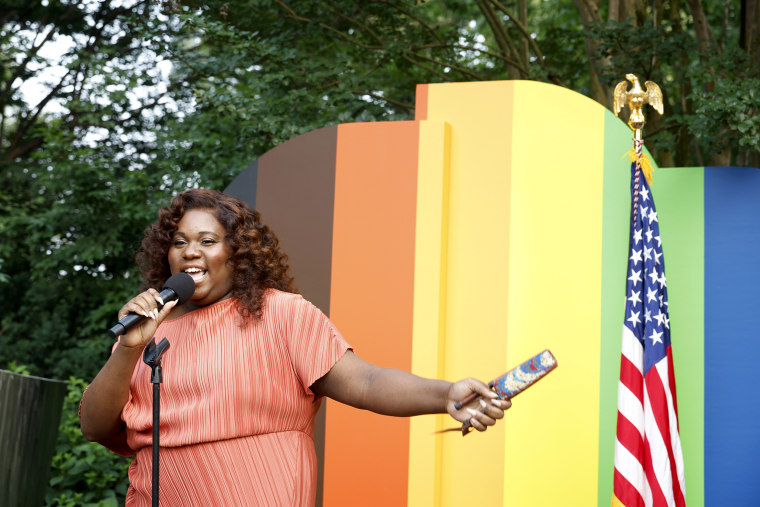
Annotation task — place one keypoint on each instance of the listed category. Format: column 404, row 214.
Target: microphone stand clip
column 152, row 357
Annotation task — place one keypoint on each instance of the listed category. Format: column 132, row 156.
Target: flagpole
column 637, row 144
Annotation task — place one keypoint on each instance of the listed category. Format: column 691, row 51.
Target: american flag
column 649, row 468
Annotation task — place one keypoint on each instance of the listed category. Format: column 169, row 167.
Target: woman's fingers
column 479, row 420
column 157, row 296
column 488, row 413
column 491, row 408
column 486, row 416
column 145, row 304
column 478, row 406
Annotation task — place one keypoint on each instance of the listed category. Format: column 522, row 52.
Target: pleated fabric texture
column 237, row 414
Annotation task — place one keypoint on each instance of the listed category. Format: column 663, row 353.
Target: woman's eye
column 208, row 242
column 178, row 242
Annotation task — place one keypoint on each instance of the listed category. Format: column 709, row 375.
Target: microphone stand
column 152, row 357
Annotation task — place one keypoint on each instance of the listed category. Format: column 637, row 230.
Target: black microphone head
column 182, row 284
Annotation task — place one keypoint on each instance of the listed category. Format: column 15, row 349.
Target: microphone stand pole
column 152, row 357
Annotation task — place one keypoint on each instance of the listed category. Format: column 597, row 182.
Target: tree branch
column 25, row 124
column 410, row 15
column 292, row 12
column 21, row 68
column 462, row 70
column 19, row 151
column 347, row 38
column 356, row 22
column 498, row 56
column 340, row 34
column 522, row 28
column 437, row 72
column 404, row 105
column 502, row 37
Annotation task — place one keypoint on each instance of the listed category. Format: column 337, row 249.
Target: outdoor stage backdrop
column 493, row 226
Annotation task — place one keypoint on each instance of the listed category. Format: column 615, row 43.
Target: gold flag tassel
column 646, row 165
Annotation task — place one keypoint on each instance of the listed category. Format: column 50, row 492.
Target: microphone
column 180, row 286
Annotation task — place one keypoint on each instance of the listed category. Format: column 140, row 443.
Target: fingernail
column 160, row 300
column 492, row 394
column 483, row 403
column 497, row 403
column 471, row 411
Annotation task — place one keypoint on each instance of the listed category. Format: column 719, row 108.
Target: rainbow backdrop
column 493, row 226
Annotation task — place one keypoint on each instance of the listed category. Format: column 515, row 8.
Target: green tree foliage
column 83, row 473
column 362, row 59
column 706, row 58
column 85, row 163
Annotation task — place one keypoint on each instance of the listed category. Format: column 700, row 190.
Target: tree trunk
column 704, row 34
column 524, row 43
column 749, row 36
column 589, row 12
column 613, row 11
column 505, row 44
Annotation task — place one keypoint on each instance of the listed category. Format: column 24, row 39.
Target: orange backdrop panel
column 421, row 102
column 371, row 302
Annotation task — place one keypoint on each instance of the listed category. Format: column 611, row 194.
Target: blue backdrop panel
column 732, row 341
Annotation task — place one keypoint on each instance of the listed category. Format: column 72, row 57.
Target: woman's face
column 198, row 248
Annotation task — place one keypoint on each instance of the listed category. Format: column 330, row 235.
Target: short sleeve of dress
column 314, row 343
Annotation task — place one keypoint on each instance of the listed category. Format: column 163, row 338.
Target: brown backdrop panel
column 295, row 195
column 295, row 192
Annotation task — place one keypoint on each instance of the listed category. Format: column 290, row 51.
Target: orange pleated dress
column 237, row 414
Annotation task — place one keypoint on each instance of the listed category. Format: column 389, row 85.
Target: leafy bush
column 83, row 473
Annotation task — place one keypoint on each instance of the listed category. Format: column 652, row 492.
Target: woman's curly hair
column 257, row 260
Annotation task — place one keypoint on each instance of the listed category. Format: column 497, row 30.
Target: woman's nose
column 191, row 250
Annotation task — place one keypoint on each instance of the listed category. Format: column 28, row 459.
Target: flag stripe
column 630, row 377
column 675, row 450
column 655, row 496
column 631, row 409
column 630, row 468
column 631, row 437
column 632, row 349
column 625, row 492
column 660, row 452
column 672, row 385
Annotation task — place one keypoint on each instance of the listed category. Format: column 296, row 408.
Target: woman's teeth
column 196, row 274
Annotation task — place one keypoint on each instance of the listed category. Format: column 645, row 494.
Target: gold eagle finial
column 636, row 97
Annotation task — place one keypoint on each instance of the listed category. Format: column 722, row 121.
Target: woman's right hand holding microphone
column 145, row 304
